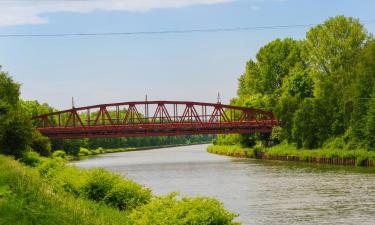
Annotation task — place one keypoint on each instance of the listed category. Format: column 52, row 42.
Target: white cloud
column 19, row 12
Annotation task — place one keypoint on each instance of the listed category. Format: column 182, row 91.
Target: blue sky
column 192, row 66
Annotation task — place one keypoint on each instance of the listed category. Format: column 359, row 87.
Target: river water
column 262, row 192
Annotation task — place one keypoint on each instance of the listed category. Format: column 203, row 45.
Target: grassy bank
column 50, row 192
column 85, row 152
column 25, row 198
column 291, row 153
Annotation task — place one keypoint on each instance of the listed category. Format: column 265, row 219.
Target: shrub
column 40, row 144
column 127, row 195
column 72, row 180
column 84, row 152
column 98, row 184
column 189, row 210
column 48, row 168
column 98, row 151
column 59, row 154
column 30, row 158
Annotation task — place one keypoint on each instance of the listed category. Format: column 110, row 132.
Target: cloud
column 19, row 12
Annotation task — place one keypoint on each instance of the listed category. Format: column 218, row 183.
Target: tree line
column 321, row 88
column 18, row 134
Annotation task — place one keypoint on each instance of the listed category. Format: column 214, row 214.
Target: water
column 262, row 192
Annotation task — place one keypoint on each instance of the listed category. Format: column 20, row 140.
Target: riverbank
column 84, row 152
column 48, row 191
column 287, row 152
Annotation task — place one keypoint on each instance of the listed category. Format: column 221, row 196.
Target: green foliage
column 25, row 198
column 59, row 154
column 16, row 131
column 309, row 124
column 274, row 61
column 30, row 158
column 49, row 168
column 9, row 92
column 53, row 193
column 289, row 150
column 231, row 150
column 84, row 152
column 276, row 134
column 320, row 88
column 40, row 144
column 334, row 45
column 370, row 122
column 170, row 210
column 103, row 186
column 15, row 134
column 127, row 195
column 98, row 185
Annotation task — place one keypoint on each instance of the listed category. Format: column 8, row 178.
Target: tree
column 370, row 122
column 309, row 124
column 16, row 133
column 333, row 50
column 362, row 92
column 274, row 61
column 15, row 127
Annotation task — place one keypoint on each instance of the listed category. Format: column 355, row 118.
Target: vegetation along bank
column 322, row 90
column 47, row 191
column 288, row 152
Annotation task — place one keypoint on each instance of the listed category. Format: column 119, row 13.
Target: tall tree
column 332, row 52
column 15, row 126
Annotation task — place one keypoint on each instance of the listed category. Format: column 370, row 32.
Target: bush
column 30, row 158
column 99, row 150
column 127, row 195
column 84, row 152
column 71, row 179
column 98, row 184
column 59, row 154
column 168, row 210
column 48, row 168
column 40, row 144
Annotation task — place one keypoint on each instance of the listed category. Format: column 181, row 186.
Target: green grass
column 360, row 155
column 231, row 150
column 26, row 198
column 50, row 192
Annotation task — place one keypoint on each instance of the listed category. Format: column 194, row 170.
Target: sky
column 173, row 66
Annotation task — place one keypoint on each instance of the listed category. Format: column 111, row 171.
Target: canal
column 262, row 192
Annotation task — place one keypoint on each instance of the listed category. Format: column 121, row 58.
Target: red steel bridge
column 153, row 118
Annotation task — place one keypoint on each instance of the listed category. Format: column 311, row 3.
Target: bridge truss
column 153, row 118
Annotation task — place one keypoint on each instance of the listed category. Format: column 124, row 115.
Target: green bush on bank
column 96, row 184
column 59, row 154
column 169, row 210
column 30, row 158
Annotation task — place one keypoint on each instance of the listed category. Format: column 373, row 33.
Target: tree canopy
column 321, row 88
